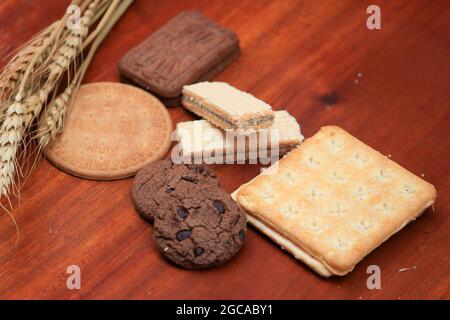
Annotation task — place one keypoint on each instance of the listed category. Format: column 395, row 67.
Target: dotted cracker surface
column 336, row 198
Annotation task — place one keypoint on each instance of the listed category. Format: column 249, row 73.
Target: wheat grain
column 54, row 117
column 72, row 46
column 53, row 122
column 19, row 115
column 33, row 74
column 27, row 58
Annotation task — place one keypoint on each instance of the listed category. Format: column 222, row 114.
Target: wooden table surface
column 318, row 60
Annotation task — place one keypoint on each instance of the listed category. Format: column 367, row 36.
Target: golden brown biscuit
column 335, row 199
column 113, row 131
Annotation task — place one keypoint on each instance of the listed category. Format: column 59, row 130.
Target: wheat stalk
column 72, row 46
column 58, row 111
column 62, row 60
column 19, row 115
column 34, row 73
column 23, row 63
column 16, row 72
column 37, row 51
column 54, row 118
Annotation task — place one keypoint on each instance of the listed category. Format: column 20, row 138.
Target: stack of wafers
column 236, row 126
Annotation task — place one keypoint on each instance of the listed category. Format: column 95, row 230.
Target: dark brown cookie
column 201, row 227
column 155, row 182
column 187, row 49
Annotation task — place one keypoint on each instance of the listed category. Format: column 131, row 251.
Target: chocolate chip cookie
column 201, row 227
column 153, row 184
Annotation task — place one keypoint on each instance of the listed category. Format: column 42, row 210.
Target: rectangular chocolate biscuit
column 187, row 49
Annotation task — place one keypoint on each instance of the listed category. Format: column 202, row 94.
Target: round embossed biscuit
column 113, row 131
column 153, row 183
column 201, row 227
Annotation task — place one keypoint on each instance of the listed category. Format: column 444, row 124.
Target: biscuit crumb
column 406, row 269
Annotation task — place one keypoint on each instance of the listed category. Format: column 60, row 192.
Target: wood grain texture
column 303, row 56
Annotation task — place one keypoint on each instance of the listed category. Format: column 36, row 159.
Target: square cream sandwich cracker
column 200, row 139
column 333, row 200
column 227, row 107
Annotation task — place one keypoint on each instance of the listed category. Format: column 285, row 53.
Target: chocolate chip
column 188, row 178
column 183, row 235
column 182, row 212
column 199, row 169
column 242, row 235
column 198, row 251
column 170, row 189
column 219, row 205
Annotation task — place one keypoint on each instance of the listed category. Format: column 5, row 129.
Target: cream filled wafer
column 227, row 107
column 200, row 139
column 333, row 200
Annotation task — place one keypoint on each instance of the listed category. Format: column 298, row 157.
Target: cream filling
column 290, row 247
column 285, row 243
column 204, row 107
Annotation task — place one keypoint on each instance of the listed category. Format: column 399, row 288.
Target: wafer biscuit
column 200, row 139
column 333, row 200
column 227, row 107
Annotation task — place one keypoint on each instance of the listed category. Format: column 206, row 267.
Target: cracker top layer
column 336, row 198
column 228, row 100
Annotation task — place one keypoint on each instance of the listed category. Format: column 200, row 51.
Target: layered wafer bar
column 201, row 139
column 227, row 107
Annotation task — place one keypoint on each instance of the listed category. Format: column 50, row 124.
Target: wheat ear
column 19, row 117
column 20, row 114
column 33, row 53
column 57, row 109
column 54, row 117
column 54, row 120
column 72, row 46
